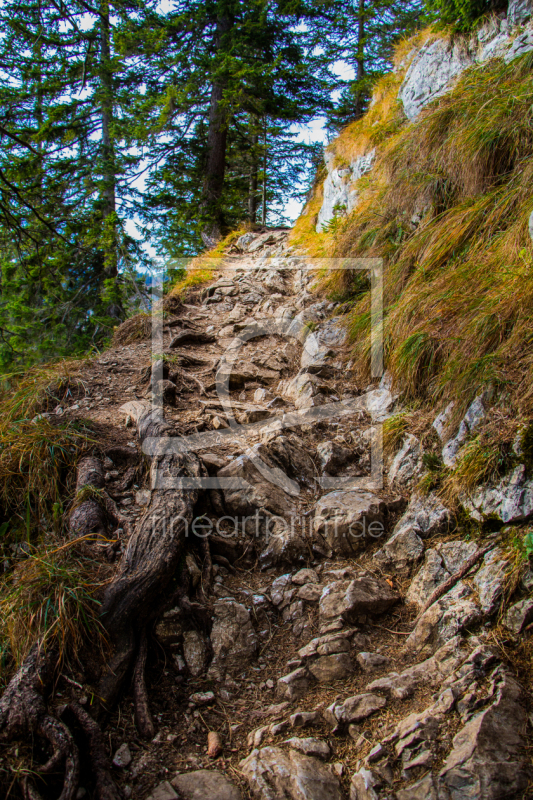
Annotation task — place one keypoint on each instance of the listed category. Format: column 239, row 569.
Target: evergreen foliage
column 463, row 15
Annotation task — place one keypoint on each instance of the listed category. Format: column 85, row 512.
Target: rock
column 407, row 463
column 490, row 579
column 349, row 521
column 434, row 669
column 426, row 516
column 509, row 499
column 303, row 390
column 519, row 11
column 332, row 667
column 475, row 414
column 519, row 615
column 251, row 490
column 311, row 592
column 333, row 457
column 194, row 653
column 310, row 747
column 273, row 774
column 451, row 614
column 163, row 792
column 370, row 661
column 379, row 403
column 401, row 551
column 279, row 587
column 233, row 637
column 202, row 698
column 122, row 757
column 303, row 719
column 431, row 575
column 203, row 784
column 424, row 789
column 304, row 576
column 262, row 395
column 354, row 709
column 487, row 761
column 285, row 547
column 339, row 191
column 353, row 599
column 326, row 645
column 455, row 553
column 432, row 71
column 294, row 685
column 364, row 784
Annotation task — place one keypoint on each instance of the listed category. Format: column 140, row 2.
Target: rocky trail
column 328, row 637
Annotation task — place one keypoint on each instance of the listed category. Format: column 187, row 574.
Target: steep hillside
column 436, row 179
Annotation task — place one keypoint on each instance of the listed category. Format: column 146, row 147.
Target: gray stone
column 233, row 638
column 451, row 614
column 274, row 774
column 519, row 11
column 331, row 667
column 471, row 420
column 364, row 785
column 423, row 789
column 401, row 551
column 340, row 194
column 195, row 652
column 519, row 615
column 122, row 757
column 310, row 747
column 294, row 685
column 432, row 71
column 434, row 669
column 487, row 760
column 284, row 548
column 349, row 521
column 455, row 553
column 407, row 463
column 205, row 783
column 379, row 403
column 509, row 499
column 354, row 709
column 311, row 592
column 370, row 661
column 353, row 599
column 304, row 390
column 163, row 792
column 279, row 587
column 326, row 645
column 305, row 576
column 251, row 490
column 427, row 516
column 490, row 579
column 332, row 457
column 431, row 575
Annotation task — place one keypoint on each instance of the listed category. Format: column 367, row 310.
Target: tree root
column 143, row 717
column 105, row 786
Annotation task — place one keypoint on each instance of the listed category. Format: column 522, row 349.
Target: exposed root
column 143, row 717
column 105, row 785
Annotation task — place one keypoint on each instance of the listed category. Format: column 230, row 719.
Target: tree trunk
column 252, row 186
column 265, row 165
column 108, row 148
column 360, row 71
column 216, row 148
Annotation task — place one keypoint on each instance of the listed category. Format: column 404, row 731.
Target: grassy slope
column 459, row 285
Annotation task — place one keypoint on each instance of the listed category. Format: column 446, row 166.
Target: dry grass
column 201, row 268
column 459, row 282
column 49, row 597
column 135, row 329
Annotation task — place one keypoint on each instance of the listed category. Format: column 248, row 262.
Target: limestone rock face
column 519, row 11
column 452, row 613
column 233, row 637
column 407, row 463
column 276, row 774
column 340, row 195
column 350, row 600
column 510, row 499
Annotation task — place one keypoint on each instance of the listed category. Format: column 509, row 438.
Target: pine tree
column 362, row 35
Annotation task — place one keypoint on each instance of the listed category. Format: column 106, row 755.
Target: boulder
column 487, row 759
column 284, row 546
column 275, row 774
column 400, row 552
column 426, row 516
column 431, row 575
column 349, row 521
column 364, row 785
column 233, row 638
column 249, row 489
column 304, row 390
column 304, row 576
column 351, row 600
column 370, row 661
column 205, row 783
column 163, row 792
